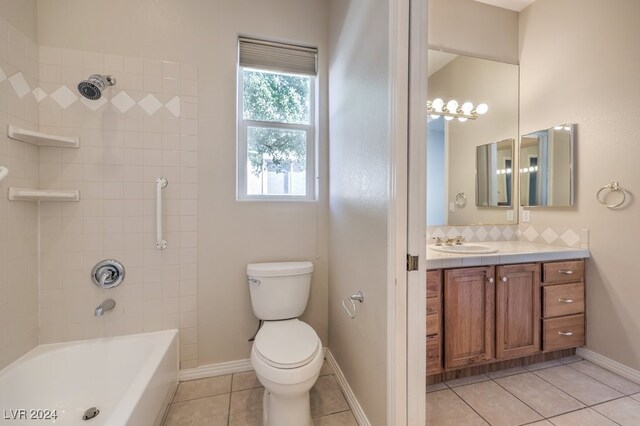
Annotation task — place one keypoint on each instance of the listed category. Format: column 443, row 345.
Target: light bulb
column 467, row 107
column 452, row 106
column 531, row 169
column 437, row 104
column 434, row 116
column 497, row 172
column 508, row 171
column 446, row 117
column 567, row 128
column 482, row 109
column 462, row 119
column 557, row 128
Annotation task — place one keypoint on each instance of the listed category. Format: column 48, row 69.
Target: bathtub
column 130, row 379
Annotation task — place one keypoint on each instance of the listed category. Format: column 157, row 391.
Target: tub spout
column 105, row 306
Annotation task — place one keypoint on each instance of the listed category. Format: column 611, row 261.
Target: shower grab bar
column 4, row 172
column 161, row 183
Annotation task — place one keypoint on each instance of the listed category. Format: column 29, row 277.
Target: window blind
column 281, row 57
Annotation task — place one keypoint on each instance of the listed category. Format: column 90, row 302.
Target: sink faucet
column 106, row 306
column 438, row 240
column 456, row 240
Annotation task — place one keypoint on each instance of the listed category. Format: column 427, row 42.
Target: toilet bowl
column 287, row 357
column 287, row 354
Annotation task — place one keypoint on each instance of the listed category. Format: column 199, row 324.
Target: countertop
column 508, row 252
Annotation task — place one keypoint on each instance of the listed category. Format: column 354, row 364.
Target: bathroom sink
column 465, row 249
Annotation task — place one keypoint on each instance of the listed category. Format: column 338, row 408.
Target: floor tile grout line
column 469, row 405
column 597, row 380
column 516, row 397
column 575, row 397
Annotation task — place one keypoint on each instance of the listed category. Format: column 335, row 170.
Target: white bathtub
column 130, row 379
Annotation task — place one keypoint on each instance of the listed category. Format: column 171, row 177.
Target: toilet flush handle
column 254, row 281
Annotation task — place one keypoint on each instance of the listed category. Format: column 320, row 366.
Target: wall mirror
column 546, row 167
column 494, row 174
column 453, row 139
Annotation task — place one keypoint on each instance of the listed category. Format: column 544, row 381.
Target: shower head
column 92, row 87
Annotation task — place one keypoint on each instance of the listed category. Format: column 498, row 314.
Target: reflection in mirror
column 451, row 142
column 546, row 167
column 494, row 174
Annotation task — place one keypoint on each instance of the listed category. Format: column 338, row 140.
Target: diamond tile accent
column 531, row 234
column 123, row 102
column 39, row 94
column 549, row 235
column 150, row 104
column 3, row 76
column 439, row 233
column 64, row 96
column 19, row 84
column 453, row 232
column 94, row 105
column 174, row 106
column 482, row 233
column 570, row 238
column 468, row 234
column 508, row 233
column 494, row 233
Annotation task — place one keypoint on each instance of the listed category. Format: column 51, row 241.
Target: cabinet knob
column 565, row 271
column 490, row 280
column 563, row 300
column 566, row 333
column 504, row 279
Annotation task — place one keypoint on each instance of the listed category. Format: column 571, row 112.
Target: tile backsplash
column 558, row 236
column 142, row 128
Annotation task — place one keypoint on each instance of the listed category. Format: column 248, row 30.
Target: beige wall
column 477, row 81
column 473, row 28
column 578, row 64
column 230, row 233
column 18, row 220
column 359, row 111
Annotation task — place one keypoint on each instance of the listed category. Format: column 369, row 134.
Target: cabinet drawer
column 434, row 279
column 433, row 355
column 563, row 272
column 563, row 299
column 433, row 305
column 564, row 332
column 433, row 324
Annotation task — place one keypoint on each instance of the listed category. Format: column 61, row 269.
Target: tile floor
column 236, row 400
column 566, row 392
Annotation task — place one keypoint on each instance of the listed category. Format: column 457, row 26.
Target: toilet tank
column 279, row 290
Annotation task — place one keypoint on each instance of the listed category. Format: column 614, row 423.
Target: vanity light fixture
column 450, row 110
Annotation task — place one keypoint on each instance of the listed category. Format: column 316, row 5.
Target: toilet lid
column 286, row 344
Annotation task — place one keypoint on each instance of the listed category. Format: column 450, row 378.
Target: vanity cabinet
column 480, row 316
column 518, row 310
column 469, row 313
column 434, row 321
column 563, row 305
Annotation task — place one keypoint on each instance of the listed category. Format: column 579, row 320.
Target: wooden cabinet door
column 469, row 296
column 518, row 310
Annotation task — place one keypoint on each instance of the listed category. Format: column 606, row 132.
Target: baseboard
column 356, row 409
column 213, row 370
column 609, row 364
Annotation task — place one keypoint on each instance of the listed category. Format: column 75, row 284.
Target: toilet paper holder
column 359, row 297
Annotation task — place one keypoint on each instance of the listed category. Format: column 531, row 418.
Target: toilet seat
column 286, row 344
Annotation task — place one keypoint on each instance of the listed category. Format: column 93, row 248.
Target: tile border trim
column 213, row 370
column 609, row 364
column 355, row 406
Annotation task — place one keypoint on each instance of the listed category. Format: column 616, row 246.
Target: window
column 276, row 121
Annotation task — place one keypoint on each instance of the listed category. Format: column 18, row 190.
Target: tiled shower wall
column 18, row 221
column 141, row 129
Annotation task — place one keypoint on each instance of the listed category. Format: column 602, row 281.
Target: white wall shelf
column 30, row 194
column 42, row 139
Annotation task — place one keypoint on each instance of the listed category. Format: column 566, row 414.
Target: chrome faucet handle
column 450, row 241
column 459, row 240
column 438, row 240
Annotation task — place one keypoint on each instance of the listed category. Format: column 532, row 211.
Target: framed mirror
column 546, row 167
column 452, row 143
column 494, row 174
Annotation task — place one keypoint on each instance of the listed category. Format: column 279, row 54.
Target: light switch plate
column 510, row 215
column 526, row 216
column 452, row 207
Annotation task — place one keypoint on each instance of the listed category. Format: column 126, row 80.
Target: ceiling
column 515, row 5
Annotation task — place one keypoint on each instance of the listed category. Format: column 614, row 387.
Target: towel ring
column 611, row 187
column 353, row 298
column 461, row 199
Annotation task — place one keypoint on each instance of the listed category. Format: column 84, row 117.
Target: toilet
column 287, row 353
